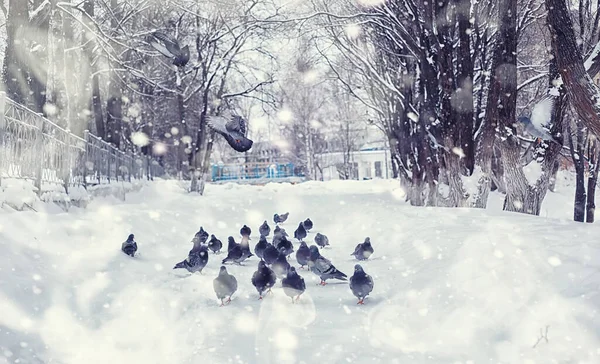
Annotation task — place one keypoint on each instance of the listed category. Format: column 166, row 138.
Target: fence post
column 2, row 133
column 39, row 145
column 86, row 135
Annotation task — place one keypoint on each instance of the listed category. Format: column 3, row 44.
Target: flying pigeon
column 169, row 47
column 281, row 266
column 321, row 240
column 225, row 285
column 308, row 224
column 536, row 131
column 293, row 285
column 361, row 284
column 129, row 246
column 264, row 229
column 233, row 129
column 322, row 267
column 278, row 219
column 300, row 232
column 285, row 246
column 363, row 250
column 196, row 260
column 234, row 252
column 271, row 253
column 215, row 244
column 263, row 279
column 303, row 254
column 201, row 236
column 260, row 247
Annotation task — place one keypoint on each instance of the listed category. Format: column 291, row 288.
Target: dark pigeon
column 271, row 253
column 308, row 224
column 245, row 244
column 196, row 260
column 260, row 247
column 129, row 246
column 278, row 219
column 234, row 252
column 281, row 265
column 169, row 47
column 233, row 129
column 263, row 279
column 303, row 254
column 361, row 284
column 285, row 246
column 225, row 285
column 215, row 244
column 245, row 231
column 264, row 229
column 363, row 250
column 321, row 240
column 300, row 232
column 322, row 267
column 201, row 236
column 293, row 285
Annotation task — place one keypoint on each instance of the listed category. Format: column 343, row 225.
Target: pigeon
column 260, row 247
column 361, row 284
column 285, row 246
column 293, row 285
column 264, row 229
column 196, row 260
column 225, row 285
column 321, row 240
column 169, row 47
column 279, row 231
column 536, row 131
column 308, row 224
column 280, row 265
column 363, row 250
column 245, row 232
column 300, row 232
column 234, row 252
column 271, row 253
column 278, row 219
column 233, row 129
column 245, row 244
column 322, row 267
column 215, row 244
column 303, row 254
column 263, row 279
column 201, row 236
column 129, row 246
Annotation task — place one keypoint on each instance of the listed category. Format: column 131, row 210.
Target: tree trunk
column 90, row 79
column 590, row 208
column 15, row 73
column 114, row 102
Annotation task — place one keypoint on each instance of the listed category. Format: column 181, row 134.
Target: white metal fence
column 34, row 148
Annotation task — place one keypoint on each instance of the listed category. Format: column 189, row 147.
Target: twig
column 543, row 336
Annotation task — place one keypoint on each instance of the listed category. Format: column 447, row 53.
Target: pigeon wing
column 169, row 43
column 236, row 124
column 218, row 123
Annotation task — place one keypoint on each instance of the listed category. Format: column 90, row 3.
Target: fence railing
column 34, row 148
column 226, row 172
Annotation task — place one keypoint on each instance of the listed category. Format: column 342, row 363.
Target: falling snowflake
column 174, row 131
column 140, row 139
column 459, row 152
column 50, row 109
column 412, row 116
column 285, row 115
column 159, row 149
column 186, row 139
column 310, row 76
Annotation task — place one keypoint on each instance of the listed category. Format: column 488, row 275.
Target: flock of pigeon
column 273, row 262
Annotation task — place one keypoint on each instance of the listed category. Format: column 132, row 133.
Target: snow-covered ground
column 451, row 285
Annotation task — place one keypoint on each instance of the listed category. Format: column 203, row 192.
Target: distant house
column 372, row 160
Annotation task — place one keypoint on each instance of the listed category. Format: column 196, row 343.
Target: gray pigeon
column 300, row 232
column 361, row 284
column 321, row 240
column 278, row 219
column 264, row 229
column 284, row 245
column 215, row 244
column 234, row 252
column 278, row 231
column 293, row 285
column 263, row 279
column 259, row 248
column 129, row 246
column 201, row 236
column 322, row 267
column 225, row 285
column 233, row 129
column 196, row 260
column 270, row 254
column 537, row 132
column 364, row 250
column 281, row 266
column 308, row 224
column 169, row 47
column 303, row 254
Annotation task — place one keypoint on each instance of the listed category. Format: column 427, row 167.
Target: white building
column 370, row 161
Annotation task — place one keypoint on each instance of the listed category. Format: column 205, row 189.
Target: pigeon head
column 262, row 264
column 130, row 237
column 303, row 244
column 358, row 269
column 368, row 240
column 291, row 272
column 212, row 237
column 223, row 270
column 314, row 252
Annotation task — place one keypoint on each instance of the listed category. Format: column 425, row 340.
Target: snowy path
column 450, row 285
